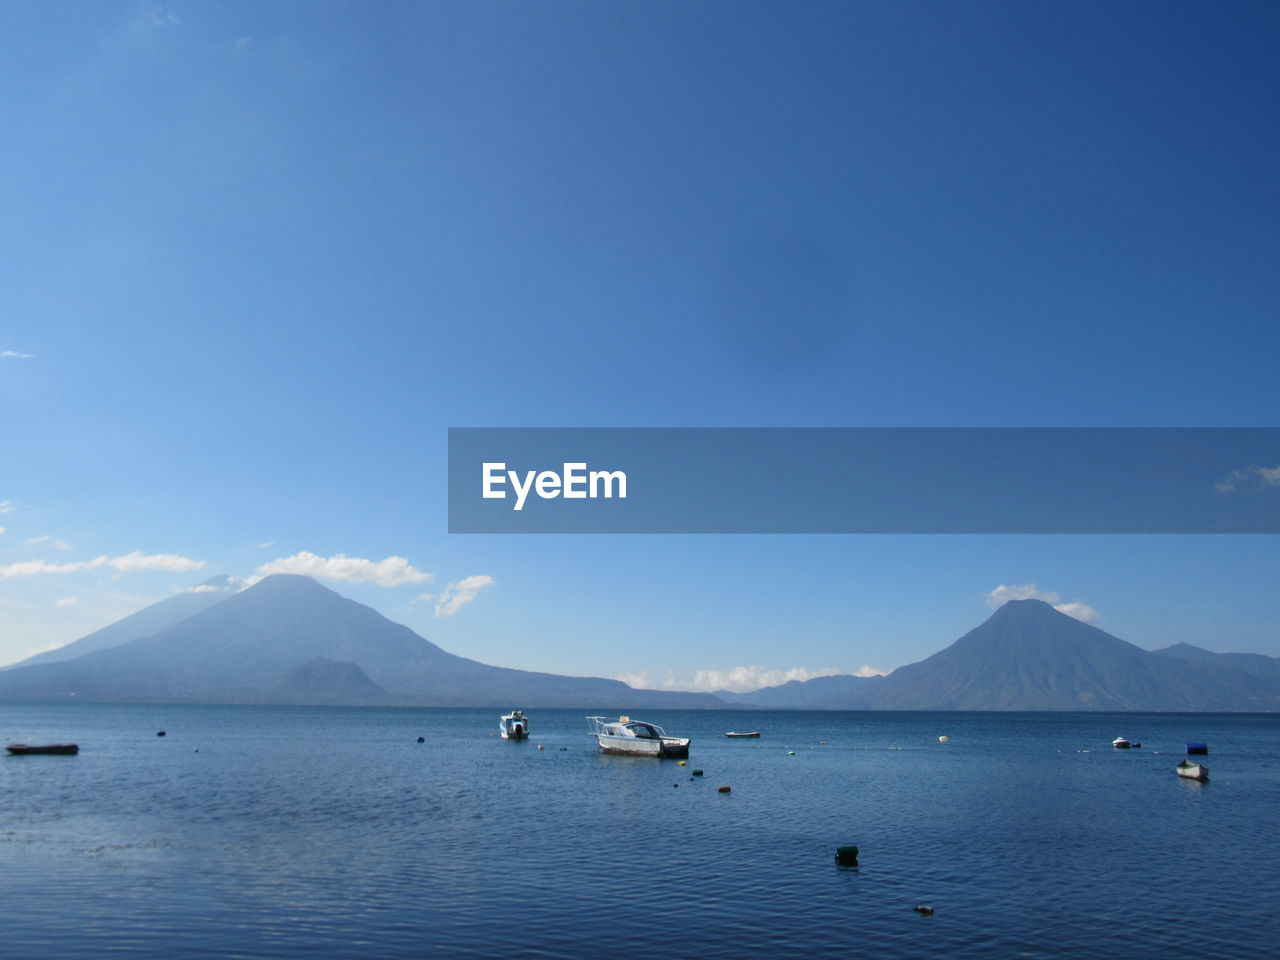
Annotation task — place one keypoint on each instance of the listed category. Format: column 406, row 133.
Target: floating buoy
column 723, row 789
column 159, row 733
column 541, row 747
column 847, row 856
column 197, row 750
column 944, row 739
column 923, row 910
column 683, row 762
column 822, row 742
column 675, row 784
column 791, row 753
column 697, row 773
column 422, row 739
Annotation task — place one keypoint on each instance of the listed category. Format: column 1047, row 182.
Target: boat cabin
column 626, row 727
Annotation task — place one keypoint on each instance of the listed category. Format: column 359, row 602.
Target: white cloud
column 391, row 572
column 637, row 680
column 15, row 355
column 1259, row 477
column 457, row 595
column 1029, row 591
column 232, row 584
column 48, row 538
column 6, row 506
column 137, row 560
column 164, row 17
column 264, row 544
column 1, row 529
column 748, row 678
column 129, row 563
column 1076, row 608
column 66, row 602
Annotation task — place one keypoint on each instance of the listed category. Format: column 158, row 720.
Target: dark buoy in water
column 422, row 739
column 923, row 910
column 723, row 789
column 159, row 733
column 847, row 856
column 697, row 773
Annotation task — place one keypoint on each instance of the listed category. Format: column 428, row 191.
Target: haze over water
column 271, row 832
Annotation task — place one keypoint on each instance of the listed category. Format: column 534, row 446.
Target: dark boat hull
column 63, row 749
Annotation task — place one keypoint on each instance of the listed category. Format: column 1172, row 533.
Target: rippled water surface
column 264, row 832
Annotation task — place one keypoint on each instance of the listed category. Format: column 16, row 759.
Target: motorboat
column 1120, row 743
column 514, row 726
column 22, row 749
column 637, row 738
column 1193, row 771
column 735, row 733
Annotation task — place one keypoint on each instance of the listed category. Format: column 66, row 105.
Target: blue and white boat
column 514, row 726
column 636, row 737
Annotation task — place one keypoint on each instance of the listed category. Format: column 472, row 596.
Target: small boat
column 1193, row 771
column 22, row 749
column 514, row 726
column 1120, row 743
column 735, row 733
column 637, row 738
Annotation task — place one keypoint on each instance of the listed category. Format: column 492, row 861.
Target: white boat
column 514, row 726
column 636, row 737
column 1120, row 743
column 1193, row 771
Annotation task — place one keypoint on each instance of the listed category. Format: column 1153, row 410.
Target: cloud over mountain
column 1029, row 591
column 391, row 572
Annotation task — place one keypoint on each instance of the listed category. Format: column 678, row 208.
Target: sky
column 260, row 257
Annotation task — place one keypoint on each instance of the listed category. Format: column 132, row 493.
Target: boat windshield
column 645, row 731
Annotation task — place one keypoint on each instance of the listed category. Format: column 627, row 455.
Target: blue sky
column 261, row 256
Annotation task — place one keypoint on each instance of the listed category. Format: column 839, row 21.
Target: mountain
column 1253, row 664
column 263, row 642
column 145, row 622
column 1029, row 656
column 816, row 694
column 327, row 681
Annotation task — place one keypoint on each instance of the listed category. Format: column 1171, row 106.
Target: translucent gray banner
column 864, row 480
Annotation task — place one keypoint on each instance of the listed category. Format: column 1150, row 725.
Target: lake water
column 271, row 832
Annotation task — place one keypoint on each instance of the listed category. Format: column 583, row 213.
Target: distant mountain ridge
column 288, row 639
column 144, row 623
column 1029, row 656
column 816, row 693
column 257, row 644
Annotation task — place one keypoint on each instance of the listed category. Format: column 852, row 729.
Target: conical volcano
column 1029, row 656
column 282, row 635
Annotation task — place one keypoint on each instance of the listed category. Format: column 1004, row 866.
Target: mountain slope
column 839, row 692
column 144, row 623
column 1254, row 664
column 242, row 648
column 1028, row 656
